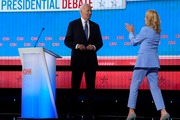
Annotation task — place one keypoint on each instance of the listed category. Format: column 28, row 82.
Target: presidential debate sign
column 57, row 5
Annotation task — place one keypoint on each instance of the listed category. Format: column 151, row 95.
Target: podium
column 38, row 83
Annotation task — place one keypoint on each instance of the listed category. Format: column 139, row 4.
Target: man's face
column 86, row 12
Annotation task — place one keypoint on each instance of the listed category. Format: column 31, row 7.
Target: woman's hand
column 129, row 28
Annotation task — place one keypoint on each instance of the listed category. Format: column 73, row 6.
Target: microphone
column 38, row 37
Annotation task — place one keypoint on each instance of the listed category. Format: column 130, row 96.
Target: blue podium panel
column 39, row 83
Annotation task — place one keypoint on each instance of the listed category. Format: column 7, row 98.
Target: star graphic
column 19, row 79
column 104, row 80
column 114, row 3
column 101, row 4
column 162, row 80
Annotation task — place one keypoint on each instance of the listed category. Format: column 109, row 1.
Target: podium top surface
column 37, row 49
column 52, row 53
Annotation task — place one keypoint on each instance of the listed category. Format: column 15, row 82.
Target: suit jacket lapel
column 91, row 25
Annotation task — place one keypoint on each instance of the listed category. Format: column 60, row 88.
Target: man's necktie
column 86, row 29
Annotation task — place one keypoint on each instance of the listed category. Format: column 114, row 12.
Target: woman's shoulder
column 148, row 31
column 147, row 28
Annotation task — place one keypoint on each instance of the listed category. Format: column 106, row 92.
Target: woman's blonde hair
column 153, row 20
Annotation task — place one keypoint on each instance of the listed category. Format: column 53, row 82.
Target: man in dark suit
column 83, row 56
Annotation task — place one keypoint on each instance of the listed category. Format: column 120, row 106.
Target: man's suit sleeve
column 99, row 42
column 69, row 42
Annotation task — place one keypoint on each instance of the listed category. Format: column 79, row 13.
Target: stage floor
column 109, row 105
column 81, row 117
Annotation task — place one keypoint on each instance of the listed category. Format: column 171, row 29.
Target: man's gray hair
column 85, row 4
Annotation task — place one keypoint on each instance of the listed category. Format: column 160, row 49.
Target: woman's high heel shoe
column 132, row 117
column 166, row 117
